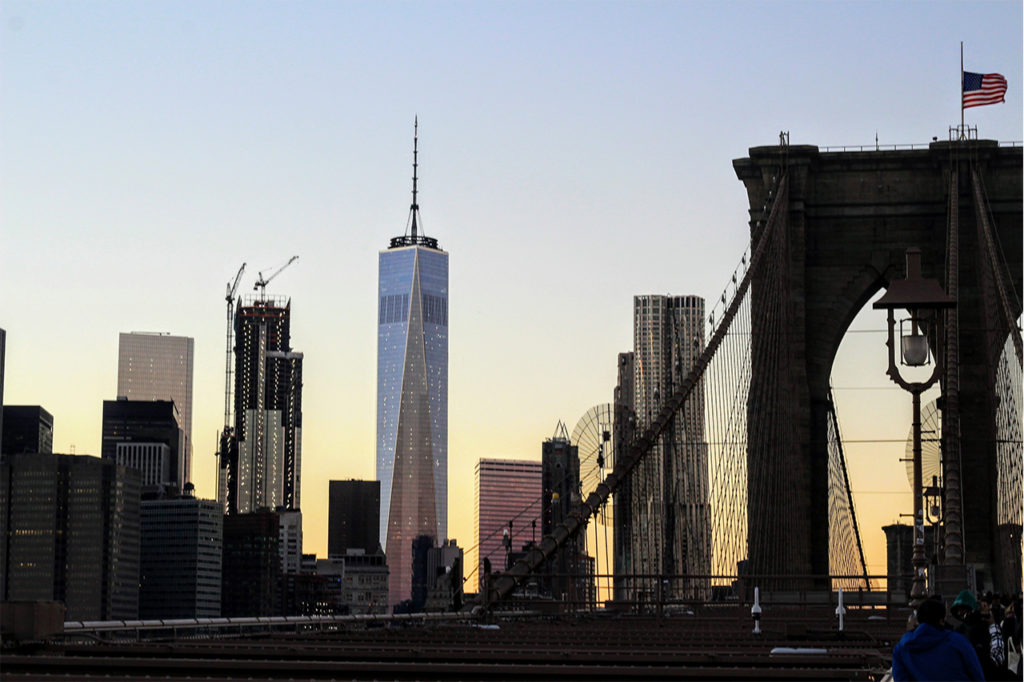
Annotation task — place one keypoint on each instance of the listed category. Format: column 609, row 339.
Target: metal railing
column 898, row 147
column 658, row 594
column 256, row 624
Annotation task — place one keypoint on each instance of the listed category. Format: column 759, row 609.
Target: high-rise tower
column 671, row 519
column 69, row 532
column 560, row 478
column 261, row 461
column 507, row 491
column 145, row 435
column 156, row 366
column 412, row 394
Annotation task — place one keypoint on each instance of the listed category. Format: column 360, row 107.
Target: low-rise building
column 360, row 580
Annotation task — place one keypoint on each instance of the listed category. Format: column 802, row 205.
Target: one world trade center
column 412, row 394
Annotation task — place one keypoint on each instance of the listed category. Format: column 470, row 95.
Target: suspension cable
column 504, row 584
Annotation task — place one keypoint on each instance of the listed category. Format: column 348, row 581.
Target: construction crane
column 229, row 296
column 261, row 283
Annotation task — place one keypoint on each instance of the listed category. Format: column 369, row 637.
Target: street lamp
column 933, row 500
column 923, row 299
column 933, row 514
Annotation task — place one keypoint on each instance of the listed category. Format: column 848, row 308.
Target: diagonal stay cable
column 505, row 583
column 992, row 253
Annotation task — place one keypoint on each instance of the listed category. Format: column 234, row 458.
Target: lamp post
column 923, row 299
column 933, row 514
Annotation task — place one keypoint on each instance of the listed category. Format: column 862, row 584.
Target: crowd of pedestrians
column 980, row 639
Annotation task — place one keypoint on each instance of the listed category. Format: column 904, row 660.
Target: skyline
column 148, row 150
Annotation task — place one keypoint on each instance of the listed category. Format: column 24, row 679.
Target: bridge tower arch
column 850, row 217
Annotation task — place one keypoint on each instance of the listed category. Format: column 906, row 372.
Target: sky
column 572, row 155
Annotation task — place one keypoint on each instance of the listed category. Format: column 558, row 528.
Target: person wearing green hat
column 976, row 625
column 964, row 605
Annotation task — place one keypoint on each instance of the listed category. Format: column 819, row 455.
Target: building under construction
column 260, row 458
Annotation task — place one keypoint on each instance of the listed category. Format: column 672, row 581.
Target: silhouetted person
column 997, row 608
column 1011, row 624
column 985, row 636
column 931, row 652
column 1011, row 628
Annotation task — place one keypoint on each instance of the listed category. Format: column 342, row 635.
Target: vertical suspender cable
column 505, row 583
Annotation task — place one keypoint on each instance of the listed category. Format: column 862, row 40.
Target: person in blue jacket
column 930, row 652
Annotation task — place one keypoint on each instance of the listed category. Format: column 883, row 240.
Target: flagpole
column 961, row 89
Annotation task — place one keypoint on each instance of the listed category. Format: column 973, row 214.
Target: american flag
column 983, row 88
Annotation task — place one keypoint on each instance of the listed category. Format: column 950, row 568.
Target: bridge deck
column 707, row 645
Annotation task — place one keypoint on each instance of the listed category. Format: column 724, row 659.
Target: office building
column 153, row 460
column 290, row 541
column 156, row 366
column 421, row 547
column 412, row 395
column 445, row 578
column 309, row 594
column 262, row 565
column 145, row 434
column 443, row 559
column 251, row 575
column 433, row 566
column 26, row 429
column 69, row 532
column 508, row 491
column 567, row 579
column 359, row 580
column 623, row 432
column 353, row 520
column 671, row 518
column 261, row 461
column 182, row 546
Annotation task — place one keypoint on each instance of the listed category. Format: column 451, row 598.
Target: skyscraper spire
column 415, row 208
column 413, row 237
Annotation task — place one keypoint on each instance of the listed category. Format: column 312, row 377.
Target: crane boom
column 230, row 291
column 262, row 283
column 233, row 288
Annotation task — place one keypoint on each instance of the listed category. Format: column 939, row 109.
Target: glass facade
column 71, row 534
column 26, row 429
column 353, row 520
column 251, row 576
column 506, row 490
column 671, row 519
column 182, row 541
column 412, row 402
column 154, row 366
column 145, row 422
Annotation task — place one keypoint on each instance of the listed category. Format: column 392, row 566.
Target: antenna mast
column 413, row 237
column 415, row 208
